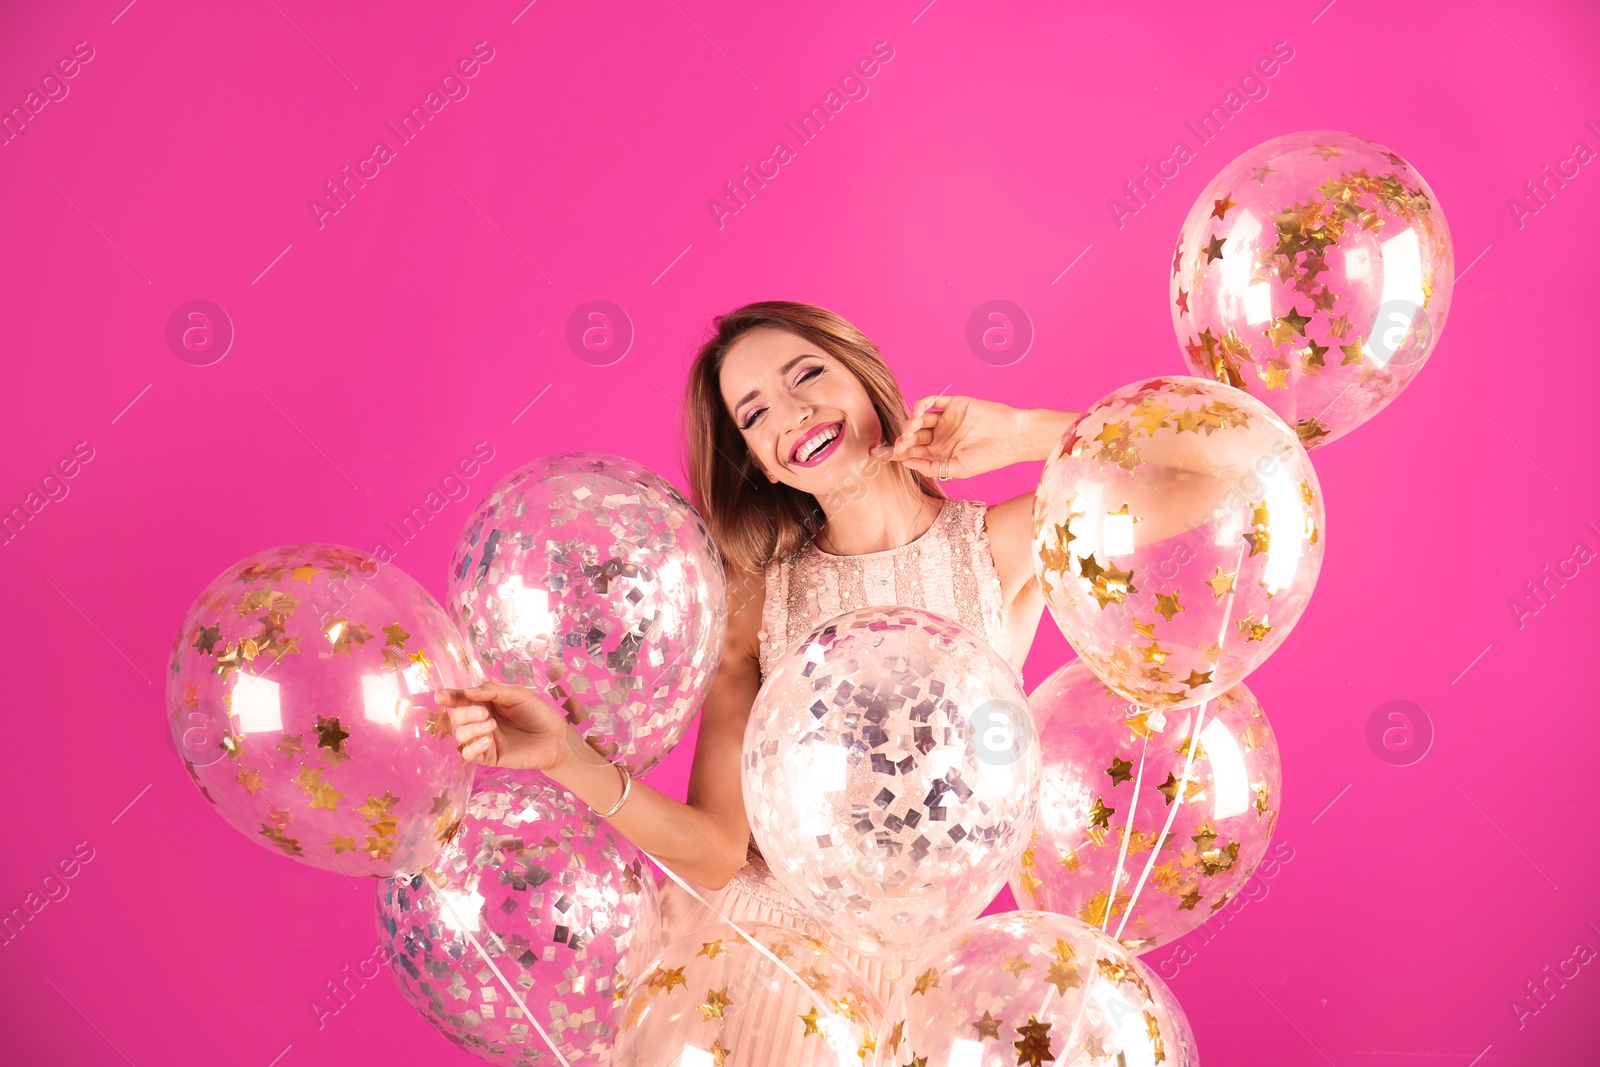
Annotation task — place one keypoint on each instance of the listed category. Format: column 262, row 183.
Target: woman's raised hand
column 503, row 725
column 974, row 435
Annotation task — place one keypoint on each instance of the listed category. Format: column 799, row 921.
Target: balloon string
column 1172, row 813
column 1127, row 835
column 759, row 947
column 444, row 898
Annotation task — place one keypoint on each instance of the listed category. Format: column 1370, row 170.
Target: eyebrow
column 752, row 394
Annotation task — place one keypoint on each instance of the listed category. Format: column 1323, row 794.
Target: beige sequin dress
column 948, row 569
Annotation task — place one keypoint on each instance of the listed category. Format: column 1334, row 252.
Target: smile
column 817, row 445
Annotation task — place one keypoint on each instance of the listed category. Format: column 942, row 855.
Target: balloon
column 1177, row 535
column 710, row 997
column 561, row 902
column 890, row 775
column 1315, row 272
column 590, row 577
column 299, row 697
column 1035, row 988
column 1108, row 767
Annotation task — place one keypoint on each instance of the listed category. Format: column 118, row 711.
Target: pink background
column 373, row 352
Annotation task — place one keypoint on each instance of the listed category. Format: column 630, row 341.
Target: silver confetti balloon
column 590, row 578
column 891, row 775
column 563, row 906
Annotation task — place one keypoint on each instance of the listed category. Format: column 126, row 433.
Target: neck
column 874, row 514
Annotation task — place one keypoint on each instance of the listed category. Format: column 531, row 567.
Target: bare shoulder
column 1010, row 527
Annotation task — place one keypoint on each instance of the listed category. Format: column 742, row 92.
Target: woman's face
column 788, row 397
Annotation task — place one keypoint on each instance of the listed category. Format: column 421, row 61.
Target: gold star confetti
column 209, row 636
column 396, row 636
column 666, row 979
column 341, row 844
column 1352, row 353
column 1190, row 899
column 250, row 779
column 1182, row 302
column 1251, row 630
column 290, row 845
column 1110, row 432
column 1197, row 679
column 330, row 734
column 925, row 981
column 716, row 1002
column 1063, row 976
column 1214, row 249
column 987, row 1026
column 1016, row 965
column 1221, row 583
column 1034, row 1048
column 1099, row 814
column 1220, row 208
column 377, row 808
column 719, row 1055
column 1169, row 789
column 1261, row 796
column 1167, row 605
column 810, row 1018
column 710, row 949
column 1261, row 173
column 1121, row 770
column 304, row 573
column 342, row 633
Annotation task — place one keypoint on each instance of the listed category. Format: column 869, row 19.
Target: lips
column 799, row 446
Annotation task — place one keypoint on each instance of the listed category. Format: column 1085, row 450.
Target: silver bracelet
column 627, row 786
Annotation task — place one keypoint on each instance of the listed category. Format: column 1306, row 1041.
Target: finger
column 460, row 716
column 477, row 751
column 919, row 422
column 913, row 437
column 918, row 453
column 496, row 693
column 938, row 400
column 472, row 731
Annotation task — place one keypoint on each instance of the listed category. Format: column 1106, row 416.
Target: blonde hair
column 751, row 519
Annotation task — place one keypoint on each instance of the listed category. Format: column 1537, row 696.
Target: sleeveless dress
column 950, row 570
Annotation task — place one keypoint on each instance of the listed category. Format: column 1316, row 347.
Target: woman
column 821, row 498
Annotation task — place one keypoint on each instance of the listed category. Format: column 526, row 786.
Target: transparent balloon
column 1315, row 272
column 890, row 776
column 299, row 696
column 563, row 905
column 711, row 998
column 1035, row 988
column 1145, row 829
column 1178, row 533
column 590, row 578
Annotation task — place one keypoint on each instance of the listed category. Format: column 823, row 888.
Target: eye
column 808, row 375
column 750, row 418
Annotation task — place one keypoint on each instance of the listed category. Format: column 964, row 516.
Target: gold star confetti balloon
column 1177, row 533
column 564, row 906
column 1037, row 989
column 711, row 999
column 300, row 699
column 890, row 776
column 1145, row 827
column 590, row 578
column 1315, row 272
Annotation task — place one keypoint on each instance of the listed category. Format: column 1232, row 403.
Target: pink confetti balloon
column 300, row 699
column 1035, row 988
column 563, row 904
column 710, row 998
column 1199, row 826
column 590, row 578
column 1316, row 273
column 890, row 775
column 1177, row 532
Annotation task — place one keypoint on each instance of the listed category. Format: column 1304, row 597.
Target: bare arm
column 703, row 841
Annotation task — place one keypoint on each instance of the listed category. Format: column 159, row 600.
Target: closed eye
column 805, row 376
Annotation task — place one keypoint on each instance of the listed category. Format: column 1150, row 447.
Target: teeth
column 816, row 444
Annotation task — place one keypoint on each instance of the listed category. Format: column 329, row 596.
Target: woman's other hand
column 975, row 435
column 502, row 725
